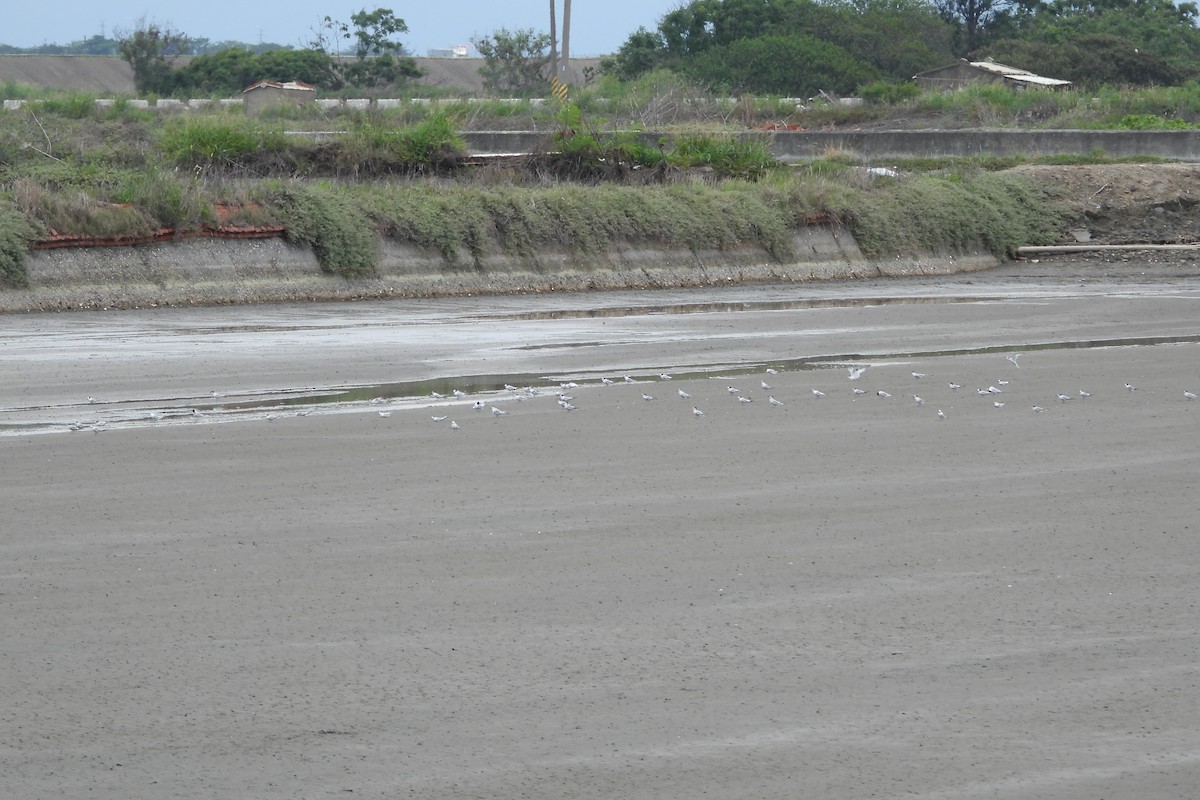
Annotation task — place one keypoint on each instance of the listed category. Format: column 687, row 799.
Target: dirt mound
column 1128, row 203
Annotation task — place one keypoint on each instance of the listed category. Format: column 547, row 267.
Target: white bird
column 92, row 399
column 774, row 402
column 856, row 372
column 744, row 399
column 982, row 392
column 765, row 385
column 647, row 396
column 385, row 413
column 453, row 425
column 919, row 401
column 1189, row 395
column 918, row 375
column 375, row 401
column 1013, row 358
column 1038, row 409
column 818, row 393
column 1003, row 383
column 697, row 412
column 941, row 414
column 856, row 390
column 683, row 394
column 997, row 404
column 628, row 379
column 478, row 405
column 438, row 395
column 459, row 393
column 1062, row 398
column 955, row 385
column 732, row 389
column 882, row 393
column 664, row 376
column 568, row 407
column 496, row 412
column 995, row 390
column 437, row 419
column 196, row 413
column 1082, row 393
column 772, row 371
column 569, row 385
column 272, row 417
column 510, row 387
column 217, row 395
column 1131, row 387
column 606, row 381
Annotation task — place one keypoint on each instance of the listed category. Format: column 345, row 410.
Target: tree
column 514, row 61
column 380, row 60
column 642, row 51
column 795, row 66
column 151, row 51
column 974, row 16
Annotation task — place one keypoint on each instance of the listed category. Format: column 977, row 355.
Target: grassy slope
column 71, row 168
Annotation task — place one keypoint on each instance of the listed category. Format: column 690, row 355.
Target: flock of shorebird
column 561, row 394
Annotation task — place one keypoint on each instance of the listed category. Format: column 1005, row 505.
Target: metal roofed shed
column 973, row 73
column 262, row 94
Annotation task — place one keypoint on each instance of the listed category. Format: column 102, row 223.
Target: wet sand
column 841, row 597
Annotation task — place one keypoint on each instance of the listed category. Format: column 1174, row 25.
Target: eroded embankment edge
column 212, row 271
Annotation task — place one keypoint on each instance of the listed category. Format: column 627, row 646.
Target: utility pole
column 565, row 67
column 553, row 42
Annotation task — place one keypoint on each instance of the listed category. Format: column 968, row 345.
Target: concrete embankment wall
column 220, row 271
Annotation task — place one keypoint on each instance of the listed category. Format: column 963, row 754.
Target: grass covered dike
column 78, row 170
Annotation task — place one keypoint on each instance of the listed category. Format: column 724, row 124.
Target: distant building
column 264, row 94
column 458, row 51
column 974, row 73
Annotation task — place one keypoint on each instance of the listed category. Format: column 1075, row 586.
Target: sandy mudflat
column 840, row 597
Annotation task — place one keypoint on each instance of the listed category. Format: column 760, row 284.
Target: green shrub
column 323, row 217
column 16, row 234
column 728, row 157
column 884, row 93
column 996, row 212
column 214, row 140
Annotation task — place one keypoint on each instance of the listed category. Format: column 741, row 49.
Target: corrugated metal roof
column 299, row 86
column 1018, row 75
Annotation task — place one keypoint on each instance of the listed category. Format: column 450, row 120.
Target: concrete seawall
column 221, row 271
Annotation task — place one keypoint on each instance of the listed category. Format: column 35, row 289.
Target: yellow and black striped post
column 558, row 90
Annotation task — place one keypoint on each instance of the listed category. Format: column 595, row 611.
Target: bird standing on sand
column 774, row 402
column 856, row 372
column 683, row 394
column 697, row 412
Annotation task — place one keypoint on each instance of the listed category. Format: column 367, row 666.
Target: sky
column 598, row 27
